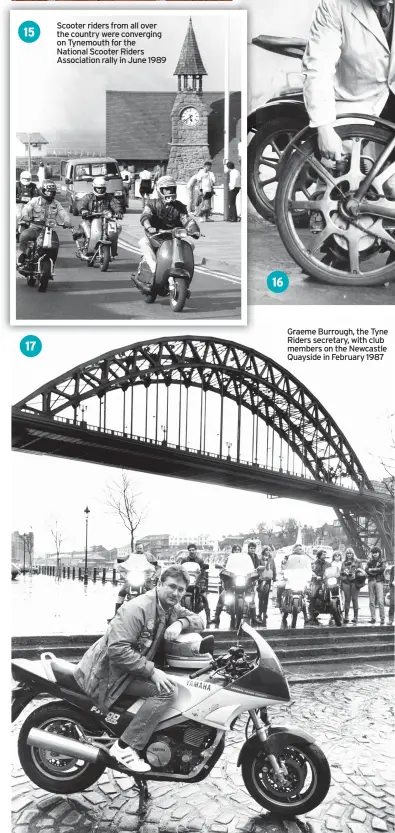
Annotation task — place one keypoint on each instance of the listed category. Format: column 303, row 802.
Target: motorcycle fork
column 279, row 770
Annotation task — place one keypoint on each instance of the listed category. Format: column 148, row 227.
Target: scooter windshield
column 267, row 679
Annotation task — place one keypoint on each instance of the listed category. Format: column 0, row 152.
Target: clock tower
column 189, row 116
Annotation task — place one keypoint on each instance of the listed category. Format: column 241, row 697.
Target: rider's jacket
column 94, row 204
column 38, row 211
column 375, row 568
column 25, row 191
column 318, row 567
column 164, row 216
column 128, row 647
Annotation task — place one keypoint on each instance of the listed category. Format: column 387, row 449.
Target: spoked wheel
column 105, row 258
column 304, row 785
column 178, row 294
column 52, row 771
column 264, row 154
column 45, row 276
column 341, row 245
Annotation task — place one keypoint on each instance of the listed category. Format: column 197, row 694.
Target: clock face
column 190, row 116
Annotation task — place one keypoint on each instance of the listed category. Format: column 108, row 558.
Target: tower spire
column 190, row 65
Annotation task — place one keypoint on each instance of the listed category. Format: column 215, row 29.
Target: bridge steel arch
column 254, row 383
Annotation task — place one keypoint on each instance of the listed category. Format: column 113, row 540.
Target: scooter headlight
column 180, row 232
column 80, row 194
column 107, row 215
column 229, row 599
column 240, row 581
column 118, row 193
column 331, row 582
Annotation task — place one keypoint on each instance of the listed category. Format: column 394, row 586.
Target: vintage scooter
column 38, row 266
column 100, row 243
column 174, row 269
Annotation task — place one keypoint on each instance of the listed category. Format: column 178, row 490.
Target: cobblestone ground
column 353, row 723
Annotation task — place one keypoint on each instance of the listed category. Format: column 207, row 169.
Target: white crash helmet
column 25, row 178
column 167, row 188
column 99, row 186
column 184, row 652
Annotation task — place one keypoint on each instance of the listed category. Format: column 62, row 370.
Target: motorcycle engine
column 180, row 749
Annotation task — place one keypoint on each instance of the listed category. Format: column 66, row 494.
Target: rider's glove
column 150, row 230
column 84, row 214
column 196, row 235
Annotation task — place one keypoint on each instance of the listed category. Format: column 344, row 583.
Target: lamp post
column 86, row 510
column 24, row 552
column 228, row 446
column 164, row 429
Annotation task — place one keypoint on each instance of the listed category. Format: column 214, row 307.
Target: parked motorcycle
column 38, row 266
column 349, row 239
column 193, row 596
column 273, row 126
column 242, row 576
column 64, row 745
column 329, row 598
column 293, row 600
column 100, row 241
column 174, row 270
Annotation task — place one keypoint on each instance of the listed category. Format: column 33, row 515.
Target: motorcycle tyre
column 106, row 257
column 239, row 611
column 82, row 782
column 45, row 276
column 295, row 613
column 263, row 205
column 74, row 210
column 323, row 774
column 177, row 304
column 31, row 281
column 313, row 270
column 337, row 614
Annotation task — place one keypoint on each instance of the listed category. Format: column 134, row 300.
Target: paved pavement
column 81, row 293
column 267, row 253
column 353, row 723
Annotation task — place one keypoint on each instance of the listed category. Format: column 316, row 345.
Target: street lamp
column 164, row 429
column 228, row 446
column 86, row 510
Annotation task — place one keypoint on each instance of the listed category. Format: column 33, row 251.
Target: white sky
column 74, row 95
column 358, row 397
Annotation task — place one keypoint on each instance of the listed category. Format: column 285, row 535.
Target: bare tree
column 124, row 502
column 58, row 539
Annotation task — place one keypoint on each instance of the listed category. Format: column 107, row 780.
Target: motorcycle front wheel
column 306, row 783
column 105, row 258
column 295, row 612
column 45, row 276
column 179, row 294
column 51, row 771
column 337, row 612
column 239, row 611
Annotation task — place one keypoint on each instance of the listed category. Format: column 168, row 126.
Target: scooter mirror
column 207, row 645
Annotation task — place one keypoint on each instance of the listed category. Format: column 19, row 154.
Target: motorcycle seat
column 64, row 674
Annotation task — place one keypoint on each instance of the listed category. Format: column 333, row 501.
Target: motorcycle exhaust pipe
column 64, row 746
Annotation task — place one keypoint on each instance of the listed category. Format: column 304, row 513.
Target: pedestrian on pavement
column 234, row 188
column 349, row 585
column 392, row 589
column 126, row 182
column 375, row 571
column 146, row 187
column 41, row 174
column 206, row 181
column 267, row 574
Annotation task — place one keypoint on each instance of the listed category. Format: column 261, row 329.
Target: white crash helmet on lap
column 99, row 186
column 167, row 188
column 25, row 178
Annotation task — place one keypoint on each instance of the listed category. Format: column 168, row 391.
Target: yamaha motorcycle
column 100, row 242
column 38, row 266
column 64, row 745
column 174, row 269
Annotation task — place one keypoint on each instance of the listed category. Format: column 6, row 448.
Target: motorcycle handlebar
column 204, row 670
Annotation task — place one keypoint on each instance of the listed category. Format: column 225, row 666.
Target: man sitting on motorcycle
column 25, row 187
column 297, row 573
column 126, row 564
column 94, row 203
column 227, row 583
column 348, row 69
column 122, row 661
column 318, row 568
column 203, row 578
column 165, row 212
column 34, row 216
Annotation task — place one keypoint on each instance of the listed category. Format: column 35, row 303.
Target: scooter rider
column 94, row 203
column 160, row 214
column 25, row 186
column 203, row 579
column 122, row 661
column 36, row 213
column 318, row 568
